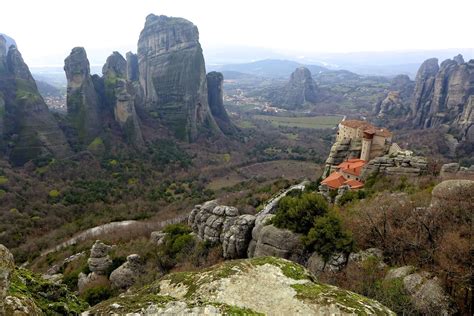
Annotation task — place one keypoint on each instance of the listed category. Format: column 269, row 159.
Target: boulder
column 449, row 169
column 7, row 266
column 260, row 222
column 126, row 275
column 426, row 292
column 316, row 264
column 400, row 272
column 453, row 193
column 277, row 242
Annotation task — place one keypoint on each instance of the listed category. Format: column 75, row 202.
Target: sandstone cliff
column 300, row 90
column 444, row 95
column 215, row 95
column 82, row 99
column 173, row 76
column 120, row 95
column 27, row 129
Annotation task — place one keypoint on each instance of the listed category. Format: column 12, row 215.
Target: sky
column 47, row 30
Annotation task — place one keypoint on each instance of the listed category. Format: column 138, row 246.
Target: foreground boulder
column 262, row 285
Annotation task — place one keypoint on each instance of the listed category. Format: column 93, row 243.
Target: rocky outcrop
column 7, row 266
column 27, row 129
column 444, row 95
column 82, row 99
column 454, row 170
column 267, row 285
column 24, row 293
column 426, row 291
column 300, row 90
column 396, row 103
column 237, row 237
column 215, row 96
column 395, row 165
column 99, row 261
column 173, row 76
column 120, row 95
column 157, row 238
column 126, row 275
column 223, row 224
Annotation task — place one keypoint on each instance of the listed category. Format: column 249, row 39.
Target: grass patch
column 313, row 122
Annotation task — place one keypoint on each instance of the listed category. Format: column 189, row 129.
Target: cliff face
column 120, row 95
column 82, row 99
column 173, row 77
column 444, row 95
column 301, row 89
column 27, row 129
column 215, row 95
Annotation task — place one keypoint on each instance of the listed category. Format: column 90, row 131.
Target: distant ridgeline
column 162, row 89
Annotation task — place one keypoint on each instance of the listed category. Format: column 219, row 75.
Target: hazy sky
column 46, row 30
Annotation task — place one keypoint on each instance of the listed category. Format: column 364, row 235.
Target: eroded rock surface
column 265, row 285
column 126, row 275
column 173, row 76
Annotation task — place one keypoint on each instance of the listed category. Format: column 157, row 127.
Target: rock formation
column 215, row 95
column 300, row 90
column 173, row 76
column 396, row 103
column 126, row 275
column 445, row 95
column 27, row 129
column 120, row 95
column 99, row 263
column 395, row 165
column 24, row 293
column 266, row 285
column 82, row 99
column 425, row 290
column 223, row 224
column 132, row 67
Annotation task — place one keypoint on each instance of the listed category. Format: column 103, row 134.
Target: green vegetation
column 95, row 295
column 297, row 213
column 52, row 299
column 313, row 122
column 328, row 237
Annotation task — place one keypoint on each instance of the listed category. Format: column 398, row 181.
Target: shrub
column 297, row 213
column 95, row 295
column 328, row 237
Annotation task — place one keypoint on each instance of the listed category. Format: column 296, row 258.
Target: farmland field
column 315, row 122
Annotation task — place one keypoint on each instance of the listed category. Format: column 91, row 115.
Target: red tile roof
column 351, row 166
column 354, row 184
column 334, row 180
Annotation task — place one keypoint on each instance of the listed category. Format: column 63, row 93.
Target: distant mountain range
column 272, row 68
